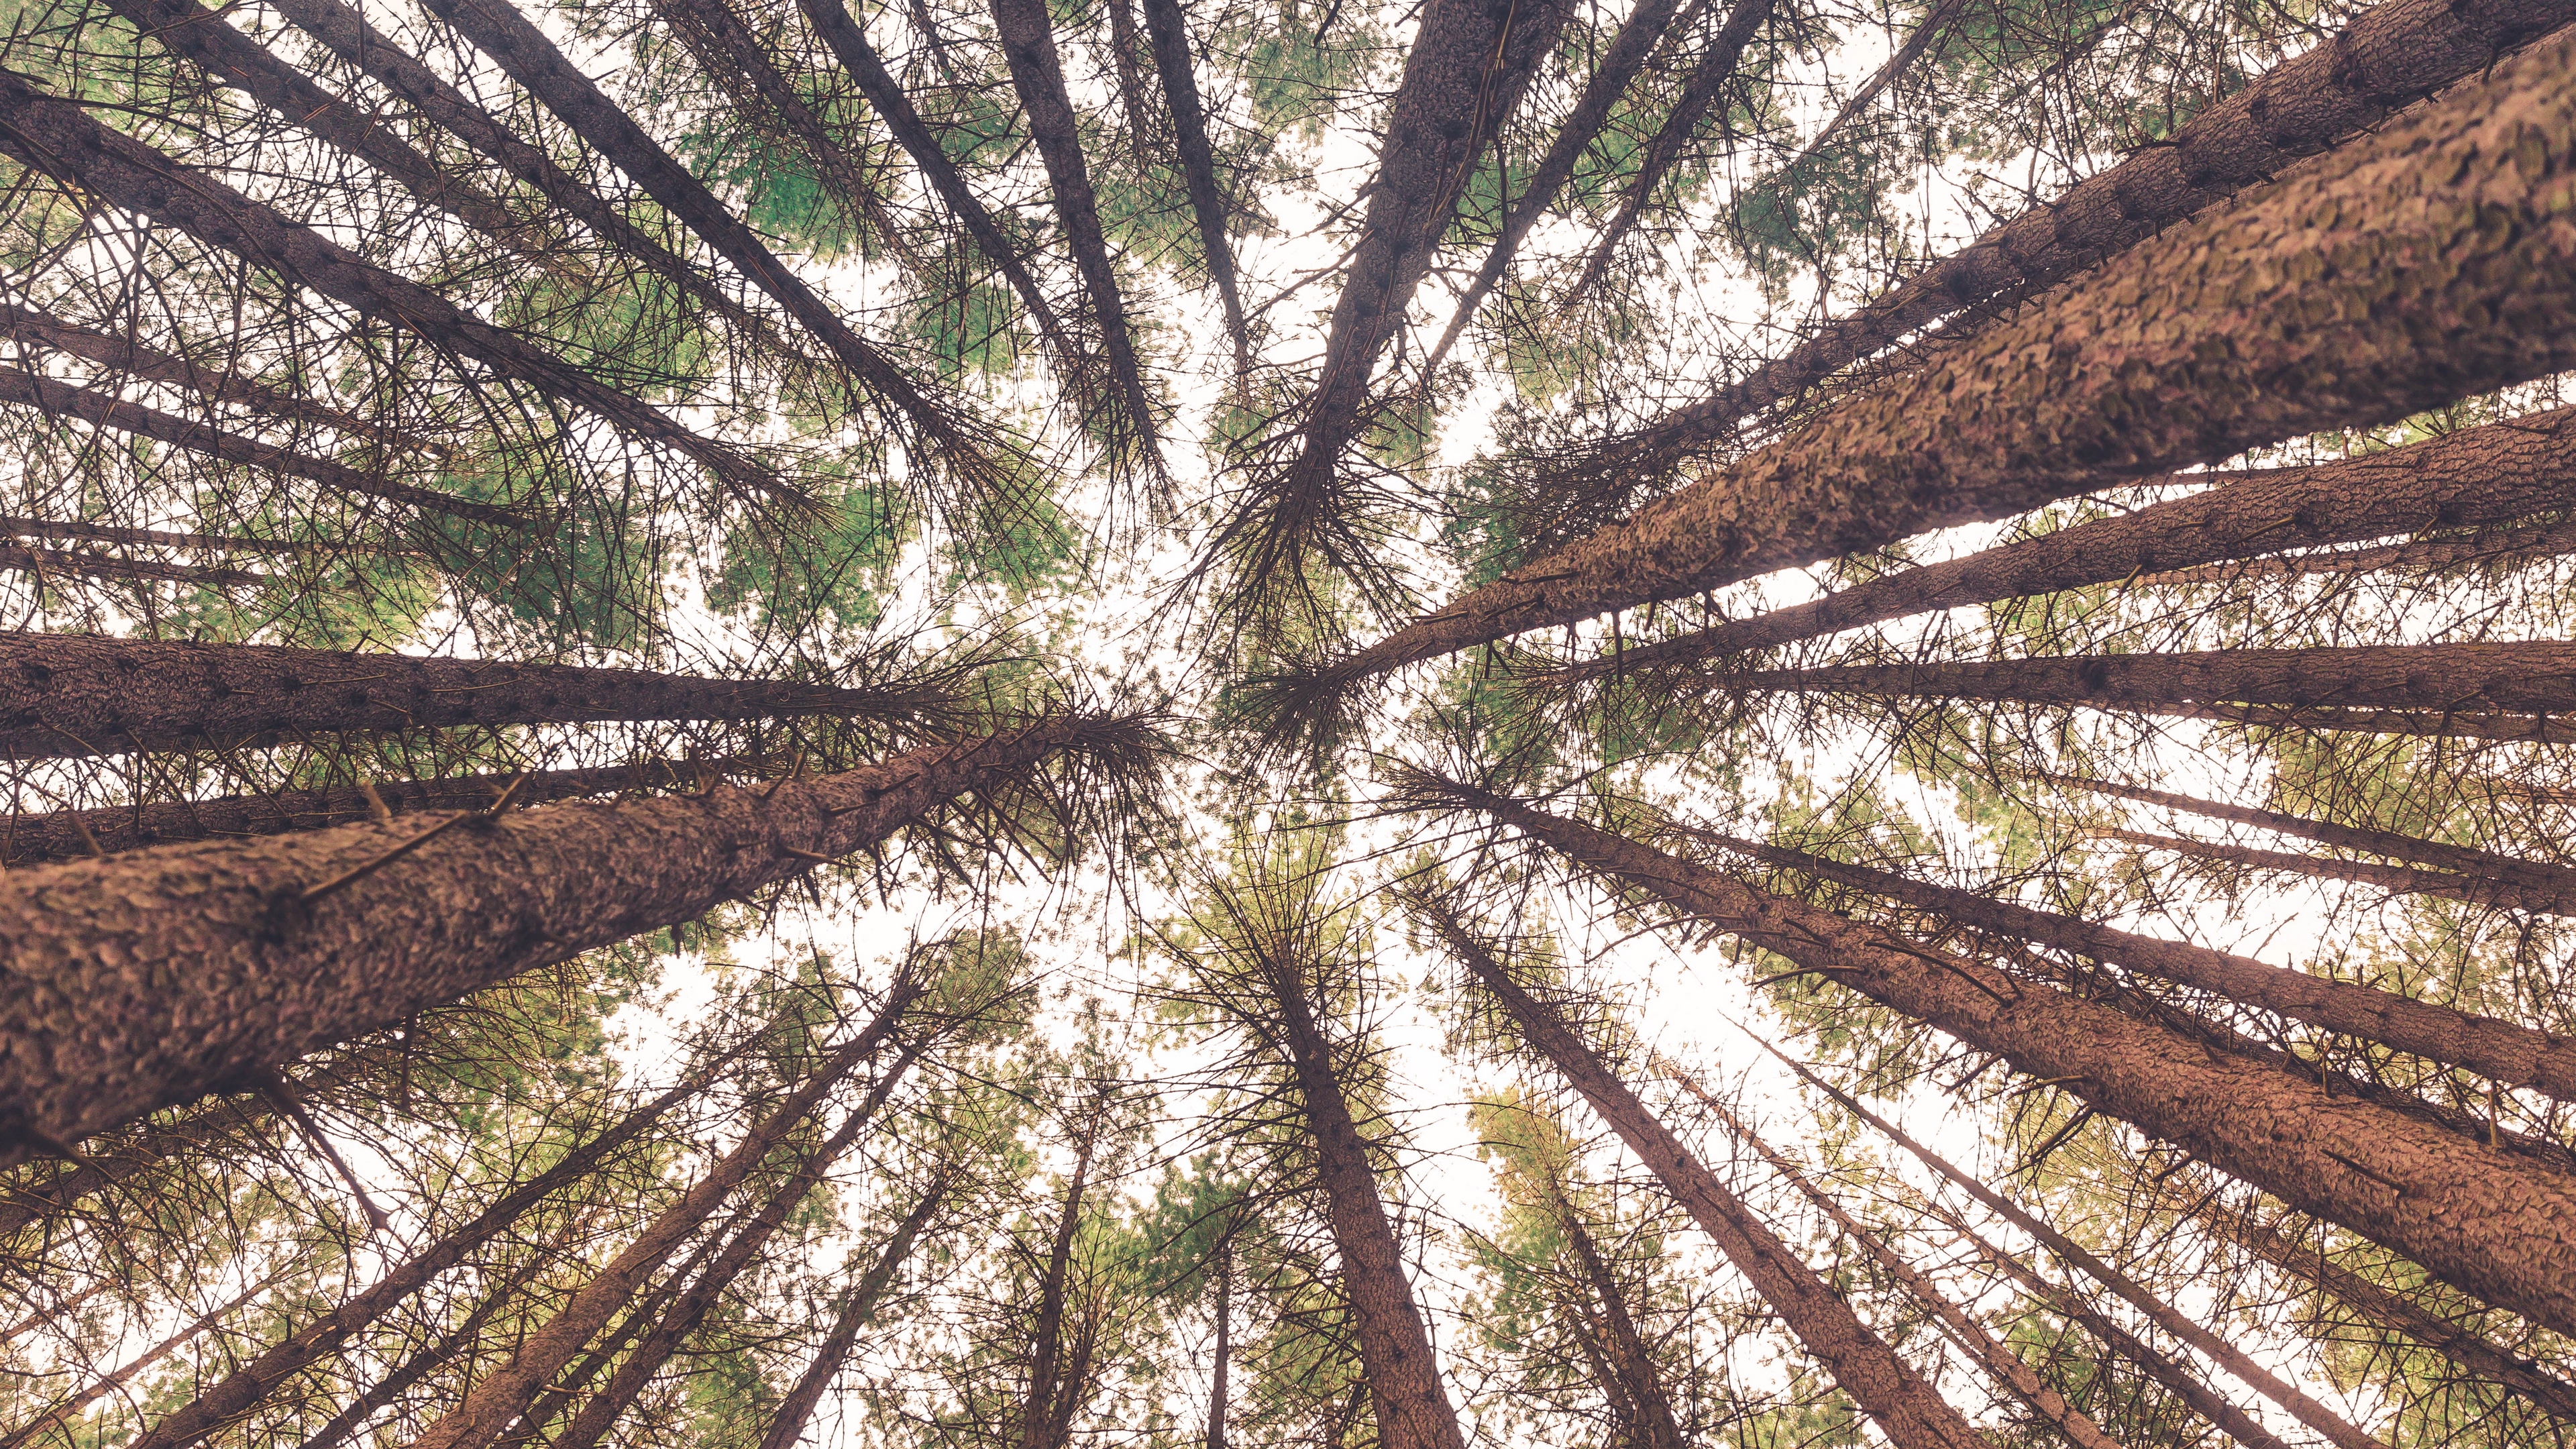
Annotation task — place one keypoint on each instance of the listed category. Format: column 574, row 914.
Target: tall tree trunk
column 65, row 695
column 1413, row 1410
column 1224, row 1336
column 1632, row 1368
column 107, row 1164
column 1998, row 1358
column 2485, row 548
column 1169, row 29
column 2477, row 476
column 1932, row 27
column 68, row 834
column 858, row 1311
column 2485, row 890
column 2483, row 1221
column 2210, row 342
column 61, row 529
column 1038, row 1411
column 73, row 1407
column 2510, row 1053
column 535, row 1414
column 163, row 973
column 48, row 564
column 1905, row 1407
column 2440, row 724
column 422, row 1362
column 491, row 1404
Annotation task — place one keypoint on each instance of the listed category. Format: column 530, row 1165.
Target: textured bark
column 46, row 563
column 491, row 1404
column 1403, row 1380
column 60, row 139
column 2426, row 262
column 1170, row 31
column 2393, row 55
column 420, row 1365
column 2475, row 725
column 67, row 834
column 1028, row 45
column 64, row 695
column 166, row 972
column 1632, row 1370
column 107, row 411
column 2538, row 878
column 2477, row 476
column 236, row 1392
column 2395, row 879
column 1039, row 1411
column 2508, row 1052
column 2489, row 1223
column 858, row 1312
column 103, row 1167
column 1906, row 1408
column 1971, row 1335
column 2486, row 548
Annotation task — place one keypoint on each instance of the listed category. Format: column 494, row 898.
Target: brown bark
column 1971, row 1335
column 2407, row 269
column 858, row 1312
column 1403, row 1380
column 60, row 139
column 2486, row 548
column 104, row 1166
column 422, row 1363
column 490, row 1405
column 1217, row 1400
column 1028, row 45
column 1169, row 29
column 2471, row 725
column 67, row 834
column 2487, row 1222
column 71, row 1408
column 166, row 972
column 2396, row 879
column 2508, row 1052
column 65, row 695
column 156, row 538
column 1906, row 1408
column 1039, row 1412
column 105, row 410
column 50, row 563
column 1632, row 1370
column 2477, row 476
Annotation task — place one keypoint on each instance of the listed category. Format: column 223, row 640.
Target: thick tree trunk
column 107, row 411
column 1632, row 1368
column 2508, row 1052
column 2484, row 1221
column 1906, row 1408
column 65, row 695
column 2474, row 477
column 167, row 972
column 2354, row 292
column 489, row 1407
column 2485, row 890
column 858, row 1311
column 1403, row 1380
column 1971, row 1335
column 1172, row 66
column 59, row 139
column 1038, row 1411
column 68, row 834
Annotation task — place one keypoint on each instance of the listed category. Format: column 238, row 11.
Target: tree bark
column 50, row 563
column 1906, row 1408
column 2481, row 1220
column 59, row 138
column 1038, row 1412
column 1224, row 1335
column 1632, row 1368
column 2508, row 1052
column 1403, row 1380
column 156, row 538
column 2485, row 890
column 2355, row 292
column 858, row 1311
column 71, row 1408
column 167, row 972
column 1169, row 30
column 2485, row 548
column 2478, row 476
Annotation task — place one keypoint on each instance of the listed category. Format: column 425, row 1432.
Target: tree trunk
column 22, row 1205
column 1038, row 1412
column 421, row 1364
column 48, row 564
column 492, row 1403
column 65, row 695
column 1169, row 29
column 2508, row 1052
column 2477, row 476
column 59, row 139
column 209, row 542
column 1632, row 1368
column 2485, row 890
column 858, row 1311
column 1224, row 1332
column 2444, row 724
column 2481, row 1220
column 1413, row 1410
column 71, row 1408
column 1906, row 1408
column 67, row 834
column 1998, row 1358
column 1934, row 25
column 2488, row 547
column 167, row 972
column 109, row 412
column 2217, row 339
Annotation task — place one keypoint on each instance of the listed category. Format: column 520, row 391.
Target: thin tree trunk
column 1907, row 1409
column 421, row 1364
column 1172, row 66
column 1403, row 1379
column 2477, row 476
column 2483, row 1221
column 50, row 563
column 111, row 1162
column 489, row 1407
column 71, row 1408
column 65, row 695
column 166, row 972
column 68, row 834
column 533, row 1415
column 108, row 411
column 1124, row 42
column 2476, row 725
column 2396, row 879
column 60, row 139
column 1632, row 1368
column 1038, row 1410
column 214, row 542
column 2508, row 1052
column 1224, row 1333
column 2485, row 548
column 1028, row 45
column 1933, row 27
column 858, row 1311
column 2215, row 340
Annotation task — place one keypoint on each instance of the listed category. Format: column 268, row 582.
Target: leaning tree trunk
column 1169, row 30
column 2477, row 476
column 858, row 1312
column 1046, row 1348
column 2508, row 1052
column 64, row 530
column 2485, row 548
column 2487, row 1223
column 2484, row 890
column 1403, row 1380
column 48, row 564
column 1906, row 1408
column 1632, row 1369
column 168, row 972
column 423, row 1362
column 1217, row 1399
column 2414, row 266
column 72, row 1406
